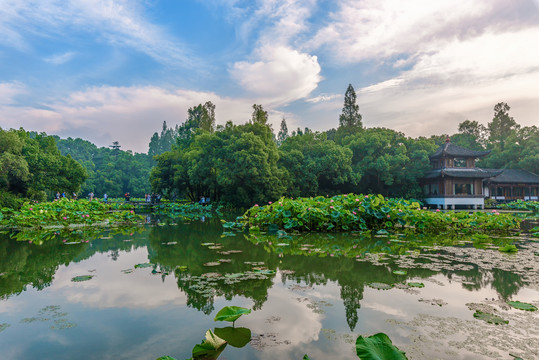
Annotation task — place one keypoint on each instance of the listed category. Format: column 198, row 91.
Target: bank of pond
column 350, row 276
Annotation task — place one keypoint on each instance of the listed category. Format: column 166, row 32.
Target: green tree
column 315, row 165
column 283, row 133
column 350, row 118
column 501, row 126
column 259, row 116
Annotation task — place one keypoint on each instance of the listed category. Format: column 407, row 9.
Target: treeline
column 247, row 164
column 250, row 163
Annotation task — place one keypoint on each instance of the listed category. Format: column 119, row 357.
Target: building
column 511, row 185
column 454, row 180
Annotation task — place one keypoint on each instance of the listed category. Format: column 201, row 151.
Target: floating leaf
column 212, row 263
column 145, row 265
column 491, row 319
column 4, row 326
column 207, row 244
column 416, row 284
column 380, row 286
column 82, row 278
column 378, row 347
column 522, row 306
column 265, row 271
column 231, row 313
column 182, row 268
column 209, row 349
column 509, row 248
column 237, row 337
column 399, row 272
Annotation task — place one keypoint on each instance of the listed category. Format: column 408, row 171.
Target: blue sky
column 107, row 70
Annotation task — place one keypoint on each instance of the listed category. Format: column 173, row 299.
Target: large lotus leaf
column 510, row 248
column 492, row 319
column 378, row 347
column 237, row 337
column 231, row 313
column 210, row 349
column 306, row 357
column 168, row 357
column 522, row 306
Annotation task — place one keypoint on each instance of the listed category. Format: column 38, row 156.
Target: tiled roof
column 449, row 149
column 515, row 176
column 470, row 173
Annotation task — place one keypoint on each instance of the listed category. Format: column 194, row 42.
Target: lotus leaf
column 212, row 263
column 82, row 278
column 145, row 265
column 490, row 318
column 416, row 284
column 399, row 272
column 522, row 306
column 509, row 248
column 209, row 349
column 168, row 357
column 231, row 313
column 306, row 357
column 236, row 337
column 380, row 286
column 378, row 347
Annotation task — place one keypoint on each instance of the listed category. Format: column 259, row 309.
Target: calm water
column 317, row 302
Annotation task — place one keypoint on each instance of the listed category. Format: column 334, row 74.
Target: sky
column 114, row 70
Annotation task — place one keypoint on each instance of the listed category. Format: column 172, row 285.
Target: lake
column 152, row 291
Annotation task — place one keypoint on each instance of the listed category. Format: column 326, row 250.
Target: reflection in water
column 250, row 268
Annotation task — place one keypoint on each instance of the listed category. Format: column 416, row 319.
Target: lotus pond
column 150, row 291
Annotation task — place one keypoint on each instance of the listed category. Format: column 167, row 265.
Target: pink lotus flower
column 389, row 216
column 366, row 196
column 353, row 212
column 31, row 209
column 400, row 210
column 281, row 203
column 64, row 218
column 331, row 254
column 492, row 210
column 331, row 200
column 30, row 241
column 132, row 211
column 269, row 202
column 437, row 210
column 256, row 204
column 357, row 199
column 331, row 207
column 64, row 240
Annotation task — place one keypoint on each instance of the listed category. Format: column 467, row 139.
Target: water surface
column 307, row 297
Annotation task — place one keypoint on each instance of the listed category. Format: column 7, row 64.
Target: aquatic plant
column 521, row 205
column 231, row 313
column 351, row 212
column 66, row 213
column 378, row 347
column 490, row 318
column 522, row 305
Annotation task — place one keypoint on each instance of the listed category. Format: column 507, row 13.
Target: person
column 105, row 197
column 74, row 195
column 127, row 196
column 90, row 195
column 63, row 194
column 201, row 202
column 57, row 197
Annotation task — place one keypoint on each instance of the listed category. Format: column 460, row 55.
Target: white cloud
column 59, row 59
column 323, row 98
column 129, row 115
column 282, row 75
column 374, row 29
column 119, row 22
column 8, row 92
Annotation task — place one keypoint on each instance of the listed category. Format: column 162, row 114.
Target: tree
column 115, row 145
column 501, row 126
column 283, row 133
column 259, row 116
column 350, row 116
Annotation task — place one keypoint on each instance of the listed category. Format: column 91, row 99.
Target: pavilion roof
column 450, row 150
column 469, row 173
column 517, row 176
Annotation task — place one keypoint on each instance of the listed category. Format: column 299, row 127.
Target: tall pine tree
column 283, row 133
column 350, row 117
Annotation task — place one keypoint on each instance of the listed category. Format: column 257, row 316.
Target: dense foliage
column 32, row 167
column 111, row 171
column 370, row 212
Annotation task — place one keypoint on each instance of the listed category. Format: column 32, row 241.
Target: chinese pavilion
column 454, row 180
